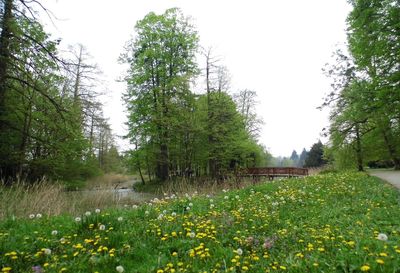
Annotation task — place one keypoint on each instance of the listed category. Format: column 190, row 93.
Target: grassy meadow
column 345, row 222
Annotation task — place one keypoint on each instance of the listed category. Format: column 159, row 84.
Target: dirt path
column 393, row 177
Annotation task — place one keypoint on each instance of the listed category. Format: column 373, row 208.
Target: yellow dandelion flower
column 365, row 268
column 380, row 261
column 6, row 269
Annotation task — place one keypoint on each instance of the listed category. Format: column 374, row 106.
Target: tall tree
column 162, row 63
column 246, row 101
column 315, row 157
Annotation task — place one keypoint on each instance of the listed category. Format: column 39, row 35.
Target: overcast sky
column 275, row 47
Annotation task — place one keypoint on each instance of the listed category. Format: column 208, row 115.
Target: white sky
column 275, row 47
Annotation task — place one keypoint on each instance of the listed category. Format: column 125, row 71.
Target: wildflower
column 134, row 206
column 173, row 214
column 212, row 206
column 188, row 208
column 47, row 251
column 38, row 215
column 160, row 216
column 120, row 219
column 382, row 237
column 365, row 268
column 190, row 204
column 78, row 219
column 54, row 232
column 120, row 269
column 31, row 216
column 97, row 210
column 192, row 234
column 239, row 251
column 88, row 213
column 380, row 261
column 146, row 212
column 226, row 197
column 62, row 240
column 6, row 269
column 102, row 227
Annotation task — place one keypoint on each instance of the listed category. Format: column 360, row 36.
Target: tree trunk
column 5, row 38
column 359, row 150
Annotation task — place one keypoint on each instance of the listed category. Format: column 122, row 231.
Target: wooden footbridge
column 272, row 172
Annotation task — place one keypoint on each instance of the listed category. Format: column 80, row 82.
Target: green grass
column 325, row 223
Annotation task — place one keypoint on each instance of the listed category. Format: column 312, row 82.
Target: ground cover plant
column 345, row 222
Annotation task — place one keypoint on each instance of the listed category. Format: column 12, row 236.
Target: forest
column 52, row 124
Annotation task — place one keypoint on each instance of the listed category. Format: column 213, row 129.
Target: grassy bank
column 330, row 223
column 52, row 198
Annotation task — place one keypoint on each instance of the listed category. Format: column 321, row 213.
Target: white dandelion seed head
column 97, row 210
column 226, row 197
column 88, row 213
column 134, row 206
column 173, row 214
column 382, row 237
column 62, row 240
column 212, row 206
column 78, row 219
column 102, row 227
column 38, row 215
column 47, row 251
column 160, row 216
column 187, row 208
column 119, row 269
column 239, row 251
column 164, row 211
column 237, row 196
column 54, row 232
column 211, row 200
column 190, row 204
column 192, row 235
column 31, row 216
column 120, row 219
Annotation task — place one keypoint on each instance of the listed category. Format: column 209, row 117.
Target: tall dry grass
column 50, row 198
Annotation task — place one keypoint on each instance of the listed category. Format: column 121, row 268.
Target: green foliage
column 41, row 130
column 366, row 97
column 175, row 132
column 315, row 156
